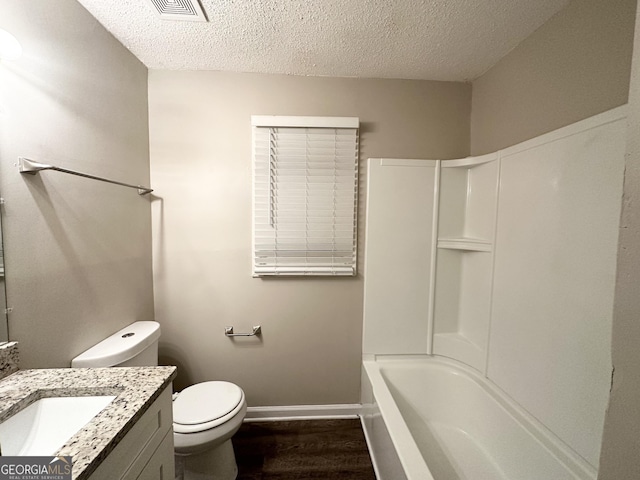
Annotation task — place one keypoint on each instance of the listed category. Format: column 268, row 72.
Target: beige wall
column 574, row 66
column 200, row 133
column 78, row 252
column 621, row 443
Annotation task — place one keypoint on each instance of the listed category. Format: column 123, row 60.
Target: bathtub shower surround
column 505, row 264
column 9, row 359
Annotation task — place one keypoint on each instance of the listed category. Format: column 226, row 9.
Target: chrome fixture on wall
column 31, row 167
column 257, row 330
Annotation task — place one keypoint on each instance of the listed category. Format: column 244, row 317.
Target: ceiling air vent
column 189, row 10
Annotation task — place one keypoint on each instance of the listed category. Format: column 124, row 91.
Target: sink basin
column 47, row 424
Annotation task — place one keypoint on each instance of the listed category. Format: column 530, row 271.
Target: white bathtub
column 429, row 418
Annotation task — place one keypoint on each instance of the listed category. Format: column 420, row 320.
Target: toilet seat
column 206, row 405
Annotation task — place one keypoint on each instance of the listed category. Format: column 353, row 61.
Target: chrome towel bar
column 31, row 167
column 257, row 330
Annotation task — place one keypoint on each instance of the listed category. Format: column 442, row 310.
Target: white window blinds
column 305, row 172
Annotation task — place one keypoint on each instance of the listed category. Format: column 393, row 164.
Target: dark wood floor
column 303, row 450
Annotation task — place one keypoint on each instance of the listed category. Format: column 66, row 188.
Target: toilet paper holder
column 257, row 330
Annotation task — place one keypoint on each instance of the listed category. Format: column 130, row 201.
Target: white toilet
column 205, row 415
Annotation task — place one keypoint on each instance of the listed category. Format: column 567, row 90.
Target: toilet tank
column 135, row 345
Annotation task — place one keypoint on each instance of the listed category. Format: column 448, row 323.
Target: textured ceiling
column 454, row 40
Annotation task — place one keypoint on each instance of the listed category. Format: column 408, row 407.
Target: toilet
column 205, row 415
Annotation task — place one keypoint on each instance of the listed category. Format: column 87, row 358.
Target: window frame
column 260, row 122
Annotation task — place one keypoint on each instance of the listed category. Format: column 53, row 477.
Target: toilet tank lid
column 120, row 347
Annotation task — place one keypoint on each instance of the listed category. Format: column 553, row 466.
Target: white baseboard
column 303, row 412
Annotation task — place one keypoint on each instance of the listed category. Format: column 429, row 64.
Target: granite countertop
column 135, row 388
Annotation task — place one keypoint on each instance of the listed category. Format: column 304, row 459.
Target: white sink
column 46, row 425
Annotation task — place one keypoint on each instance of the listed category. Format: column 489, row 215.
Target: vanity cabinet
column 146, row 451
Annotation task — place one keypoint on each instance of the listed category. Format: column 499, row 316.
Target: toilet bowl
column 205, row 415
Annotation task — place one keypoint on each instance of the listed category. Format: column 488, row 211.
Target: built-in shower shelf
column 465, row 243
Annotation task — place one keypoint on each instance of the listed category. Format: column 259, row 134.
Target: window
column 305, row 175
